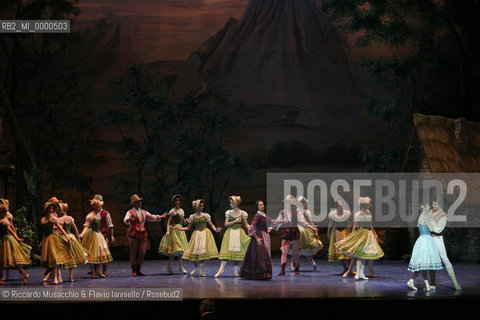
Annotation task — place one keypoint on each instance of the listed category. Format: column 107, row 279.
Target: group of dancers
column 351, row 237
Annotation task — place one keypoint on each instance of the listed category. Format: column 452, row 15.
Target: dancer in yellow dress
column 106, row 228
column 235, row 241
column 202, row 244
column 93, row 240
column 339, row 226
column 309, row 242
column 174, row 242
column 13, row 252
column 55, row 249
column 362, row 243
column 79, row 253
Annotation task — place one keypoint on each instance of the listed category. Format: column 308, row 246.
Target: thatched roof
column 443, row 144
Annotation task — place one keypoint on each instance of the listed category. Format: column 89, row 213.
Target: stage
column 310, row 294
column 325, row 282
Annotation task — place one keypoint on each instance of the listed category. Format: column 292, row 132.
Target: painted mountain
column 110, row 46
column 282, row 61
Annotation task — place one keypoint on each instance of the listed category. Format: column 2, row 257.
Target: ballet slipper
column 235, row 270
column 411, row 285
column 169, row 267
column 194, row 271
column 427, row 285
column 180, row 266
column 221, row 270
column 362, row 274
column 201, row 273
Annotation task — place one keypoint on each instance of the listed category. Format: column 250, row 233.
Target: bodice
column 200, row 223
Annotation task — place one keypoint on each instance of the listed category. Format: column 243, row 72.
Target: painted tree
column 433, row 63
column 141, row 124
column 205, row 167
column 48, row 91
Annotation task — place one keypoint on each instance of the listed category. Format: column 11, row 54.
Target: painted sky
column 172, row 29
column 165, row 29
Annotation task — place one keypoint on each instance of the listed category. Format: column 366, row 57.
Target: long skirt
column 234, row 245
column 55, row 251
column 334, row 254
column 13, row 253
column 257, row 264
column 78, row 252
column 425, row 255
column 97, row 248
column 201, row 246
column 175, row 243
column 361, row 244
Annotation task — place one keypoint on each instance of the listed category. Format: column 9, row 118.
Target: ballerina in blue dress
column 425, row 254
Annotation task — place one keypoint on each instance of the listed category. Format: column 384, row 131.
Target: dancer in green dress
column 362, row 243
column 202, row 244
column 13, row 252
column 55, row 248
column 93, row 240
column 174, row 242
column 235, row 241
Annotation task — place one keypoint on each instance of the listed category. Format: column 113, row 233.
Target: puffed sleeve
column 150, row 217
column 245, row 215
column 5, row 223
column 207, row 216
column 89, row 218
column 190, row 219
column 53, row 219
column 126, row 220
column 280, row 220
column 356, row 216
column 172, row 212
column 308, row 214
column 108, row 219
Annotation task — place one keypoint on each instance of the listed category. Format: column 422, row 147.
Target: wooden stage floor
column 310, row 294
column 325, row 282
